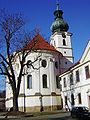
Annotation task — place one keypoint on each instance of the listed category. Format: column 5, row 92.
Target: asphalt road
column 59, row 116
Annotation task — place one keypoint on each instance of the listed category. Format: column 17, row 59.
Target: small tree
column 13, row 38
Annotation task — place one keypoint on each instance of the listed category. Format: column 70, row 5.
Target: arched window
column 44, row 80
column 29, row 82
column 64, row 42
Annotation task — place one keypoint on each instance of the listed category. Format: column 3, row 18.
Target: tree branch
column 4, row 59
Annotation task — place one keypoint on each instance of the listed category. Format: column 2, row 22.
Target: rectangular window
column 29, row 82
column 44, row 78
column 77, row 76
column 79, row 98
column 57, row 82
column 87, row 72
column 64, row 82
column 71, row 79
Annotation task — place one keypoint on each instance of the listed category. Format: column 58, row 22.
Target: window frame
column 29, row 82
column 77, row 76
column 71, row 79
column 44, row 81
column 87, row 73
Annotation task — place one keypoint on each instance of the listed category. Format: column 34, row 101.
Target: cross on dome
column 59, row 24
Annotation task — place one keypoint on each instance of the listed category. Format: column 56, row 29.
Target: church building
column 40, row 87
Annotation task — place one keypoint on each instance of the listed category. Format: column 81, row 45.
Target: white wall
column 31, row 98
column 80, row 87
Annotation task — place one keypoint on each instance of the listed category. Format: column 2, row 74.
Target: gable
column 86, row 54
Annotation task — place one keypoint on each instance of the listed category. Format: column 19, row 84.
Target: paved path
column 53, row 116
column 58, row 116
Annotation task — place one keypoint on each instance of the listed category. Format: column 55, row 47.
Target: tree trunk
column 15, row 102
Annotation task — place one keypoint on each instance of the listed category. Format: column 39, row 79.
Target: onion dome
column 59, row 24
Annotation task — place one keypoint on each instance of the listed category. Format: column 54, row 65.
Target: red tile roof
column 38, row 43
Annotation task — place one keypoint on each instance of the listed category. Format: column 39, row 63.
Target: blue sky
column 39, row 13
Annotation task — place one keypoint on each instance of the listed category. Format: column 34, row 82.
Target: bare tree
column 12, row 42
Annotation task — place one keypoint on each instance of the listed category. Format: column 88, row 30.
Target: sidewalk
column 32, row 114
column 46, row 112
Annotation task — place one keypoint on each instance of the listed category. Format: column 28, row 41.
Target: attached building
column 76, row 82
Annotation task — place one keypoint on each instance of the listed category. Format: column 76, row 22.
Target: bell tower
column 61, row 39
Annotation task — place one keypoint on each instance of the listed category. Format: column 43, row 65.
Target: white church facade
column 41, row 86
